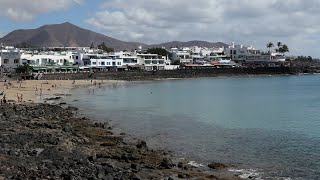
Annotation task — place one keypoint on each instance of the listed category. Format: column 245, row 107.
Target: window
column 6, row 61
column 16, row 61
column 102, row 63
column 77, row 57
column 119, row 63
column 94, row 63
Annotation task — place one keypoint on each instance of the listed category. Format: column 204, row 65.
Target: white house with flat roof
column 242, row 54
column 103, row 61
column 152, row 61
column 45, row 59
column 10, row 59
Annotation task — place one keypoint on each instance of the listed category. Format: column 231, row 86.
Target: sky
column 247, row 22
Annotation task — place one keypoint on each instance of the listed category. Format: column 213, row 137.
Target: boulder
column 141, row 145
column 217, row 166
column 166, row 164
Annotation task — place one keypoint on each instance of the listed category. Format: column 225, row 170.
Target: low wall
column 181, row 73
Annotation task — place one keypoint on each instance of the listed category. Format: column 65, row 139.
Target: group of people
column 94, row 84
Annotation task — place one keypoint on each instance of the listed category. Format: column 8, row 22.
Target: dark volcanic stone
column 134, row 177
column 166, row 164
column 142, row 145
column 217, row 166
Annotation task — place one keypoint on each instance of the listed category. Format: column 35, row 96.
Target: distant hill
column 69, row 35
column 63, row 35
column 190, row 44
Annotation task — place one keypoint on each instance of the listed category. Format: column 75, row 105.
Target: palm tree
column 283, row 49
column 279, row 44
column 270, row 45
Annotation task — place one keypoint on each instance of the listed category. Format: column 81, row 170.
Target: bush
column 24, row 69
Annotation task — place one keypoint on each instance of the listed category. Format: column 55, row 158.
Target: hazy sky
column 256, row 22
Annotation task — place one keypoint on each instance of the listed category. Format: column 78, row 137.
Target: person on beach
column 36, row 90
column 74, row 81
column 4, row 100
column 40, row 91
column 18, row 97
column 21, row 98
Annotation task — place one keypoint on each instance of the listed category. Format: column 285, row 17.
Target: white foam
column 254, row 174
column 248, row 173
column 192, row 163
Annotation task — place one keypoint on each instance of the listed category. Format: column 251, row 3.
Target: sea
column 266, row 127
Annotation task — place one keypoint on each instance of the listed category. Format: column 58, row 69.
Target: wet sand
column 31, row 89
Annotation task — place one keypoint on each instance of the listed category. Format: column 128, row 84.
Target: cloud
column 26, row 10
column 249, row 22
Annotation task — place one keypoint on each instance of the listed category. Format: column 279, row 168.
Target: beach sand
column 50, row 88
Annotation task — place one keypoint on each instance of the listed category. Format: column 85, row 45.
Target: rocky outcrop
column 43, row 141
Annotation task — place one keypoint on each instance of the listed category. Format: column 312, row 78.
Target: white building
column 10, row 59
column 105, row 62
column 152, row 61
column 45, row 59
column 182, row 55
column 242, row 54
column 129, row 59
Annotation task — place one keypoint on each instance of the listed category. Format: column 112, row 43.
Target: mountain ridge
column 70, row 35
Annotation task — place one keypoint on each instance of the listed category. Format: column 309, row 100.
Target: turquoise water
column 267, row 125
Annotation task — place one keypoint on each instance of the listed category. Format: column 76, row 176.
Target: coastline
column 56, row 133
column 184, row 169
column 51, row 141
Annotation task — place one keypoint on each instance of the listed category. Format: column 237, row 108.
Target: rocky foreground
column 43, row 141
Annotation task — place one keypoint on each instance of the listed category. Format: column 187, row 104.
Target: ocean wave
column 256, row 174
column 248, row 173
column 193, row 163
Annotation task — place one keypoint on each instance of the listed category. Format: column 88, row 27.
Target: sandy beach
column 31, row 89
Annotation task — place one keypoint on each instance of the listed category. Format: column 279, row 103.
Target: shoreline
column 166, row 166
column 31, row 89
column 54, row 141
column 66, row 87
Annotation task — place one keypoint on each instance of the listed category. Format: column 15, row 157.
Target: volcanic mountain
column 69, row 35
